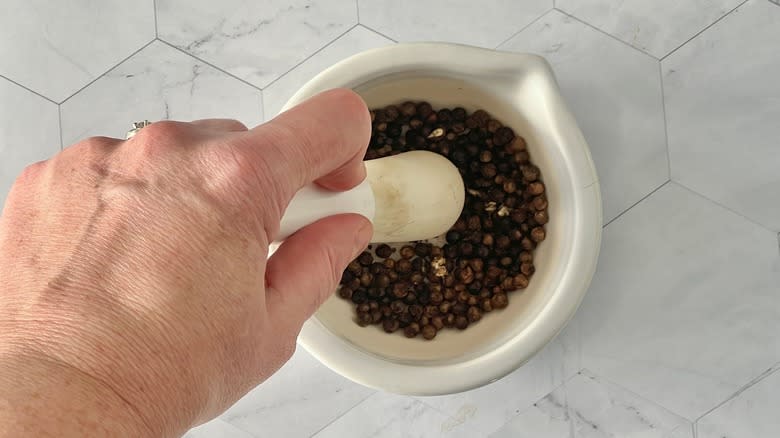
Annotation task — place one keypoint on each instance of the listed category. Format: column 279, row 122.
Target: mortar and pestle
column 419, row 195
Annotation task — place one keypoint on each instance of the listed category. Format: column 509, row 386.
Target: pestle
column 411, row 196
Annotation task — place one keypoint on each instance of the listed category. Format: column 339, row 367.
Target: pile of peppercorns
column 488, row 252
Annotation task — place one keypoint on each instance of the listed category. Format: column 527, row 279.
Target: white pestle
column 411, row 196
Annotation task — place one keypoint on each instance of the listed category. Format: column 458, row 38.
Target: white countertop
column 679, row 335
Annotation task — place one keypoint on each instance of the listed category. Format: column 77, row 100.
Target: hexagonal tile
column 354, row 41
column 656, row 27
column 589, row 406
column 683, row 309
column 217, row 429
column 385, row 415
column 256, row 41
column 484, row 410
column 480, row 23
column 614, row 92
column 303, row 390
column 29, row 132
column 722, row 111
column 159, row 82
column 752, row 413
column 57, row 47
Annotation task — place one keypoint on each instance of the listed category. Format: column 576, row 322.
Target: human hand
column 138, row 269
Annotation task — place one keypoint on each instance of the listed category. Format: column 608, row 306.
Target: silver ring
column 137, row 126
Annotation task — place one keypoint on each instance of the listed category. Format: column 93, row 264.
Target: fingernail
column 363, row 237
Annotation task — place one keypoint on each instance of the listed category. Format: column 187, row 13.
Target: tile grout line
column 59, row 118
column 703, row 30
column 203, row 61
column 778, row 242
column 666, row 123
column 262, row 107
column 357, row 10
column 107, row 71
column 28, row 89
column 752, row 221
column 328, row 44
column 609, row 34
column 637, row 395
column 377, row 32
column 156, row 29
column 560, row 386
column 344, row 413
column 534, row 21
column 768, row 372
column 636, row 203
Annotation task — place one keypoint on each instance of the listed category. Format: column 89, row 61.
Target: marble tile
column 722, row 111
column 655, row 27
column 157, row 83
column 479, row 23
column 217, row 429
column 256, row 41
column 29, row 132
column 752, row 413
column 486, row 409
column 354, row 41
column 615, row 95
column 683, row 308
column 385, row 415
column 57, row 47
column 302, row 398
column 589, row 407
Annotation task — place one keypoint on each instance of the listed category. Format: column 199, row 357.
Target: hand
column 135, row 275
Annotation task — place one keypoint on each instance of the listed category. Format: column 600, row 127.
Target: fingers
column 324, row 140
column 222, row 125
column 307, row 268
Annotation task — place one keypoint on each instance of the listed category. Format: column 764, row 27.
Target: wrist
column 43, row 397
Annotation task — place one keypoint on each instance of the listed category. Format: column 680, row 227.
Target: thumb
column 307, row 267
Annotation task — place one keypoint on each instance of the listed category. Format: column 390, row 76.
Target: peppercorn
column 538, row 234
column 345, row 292
column 390, row 325
column 408, row 109
column 429, row 332
column 499, row 301
column 412, row 330
column 422, row 249
column 535, row 188
column 354, row 267
column 384, row 251
column 403, row 266
column 474, row 314
column 364, row 318
column 530, row 172
column 461, row 322
column 407, row 252
column 520, row 281
column 365, row 258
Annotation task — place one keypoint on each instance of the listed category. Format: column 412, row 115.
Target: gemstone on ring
column 137, row 126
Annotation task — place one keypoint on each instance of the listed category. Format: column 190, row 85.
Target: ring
column 137, row 126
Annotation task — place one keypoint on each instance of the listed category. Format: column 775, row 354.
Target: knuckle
column 31, row 172
column 159, row 136
column 234, row 125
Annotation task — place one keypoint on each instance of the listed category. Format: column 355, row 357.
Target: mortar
column 519, row 90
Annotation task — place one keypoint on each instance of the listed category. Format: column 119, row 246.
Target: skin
column 137, row 298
